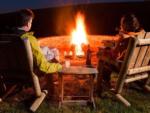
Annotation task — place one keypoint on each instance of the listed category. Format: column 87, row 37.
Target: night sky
column 13, row 5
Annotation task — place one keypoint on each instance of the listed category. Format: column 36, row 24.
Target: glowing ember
column 79, row 35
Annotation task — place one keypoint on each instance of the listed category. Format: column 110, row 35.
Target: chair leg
column 147, row 84
column 2, row 85
column 147, row 88
column 99, row 84
column 38, row 101
column 122, row 99
column 9, row 92
column 118, row 91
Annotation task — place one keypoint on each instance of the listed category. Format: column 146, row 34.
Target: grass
column 140, row 103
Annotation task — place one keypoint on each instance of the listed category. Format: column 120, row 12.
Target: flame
column 79, row 36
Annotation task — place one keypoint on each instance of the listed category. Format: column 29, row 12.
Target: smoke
column 64, row 20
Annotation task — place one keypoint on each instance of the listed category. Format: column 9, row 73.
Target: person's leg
column 106, row 72
column 101, row 77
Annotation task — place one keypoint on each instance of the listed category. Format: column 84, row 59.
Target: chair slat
column 137, row 77
column 138, row 70
column 140, row 57
column 147, row 55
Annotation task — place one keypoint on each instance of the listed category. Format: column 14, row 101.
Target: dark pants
column 104, row 79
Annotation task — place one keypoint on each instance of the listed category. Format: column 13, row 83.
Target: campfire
column 74, row 47
column 79, row 36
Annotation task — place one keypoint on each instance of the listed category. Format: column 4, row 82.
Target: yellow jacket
column 39, row 58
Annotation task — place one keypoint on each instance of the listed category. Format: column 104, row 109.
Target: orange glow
column 79, row 36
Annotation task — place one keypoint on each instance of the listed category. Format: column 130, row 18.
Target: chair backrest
column 15, row 56
column 136, row 64
column 140, row 56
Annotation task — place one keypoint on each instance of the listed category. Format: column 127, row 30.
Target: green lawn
column 140, row 103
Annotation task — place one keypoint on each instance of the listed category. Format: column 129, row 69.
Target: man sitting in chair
column 23, row 25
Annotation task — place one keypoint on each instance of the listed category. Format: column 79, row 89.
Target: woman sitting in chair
column 110, row 59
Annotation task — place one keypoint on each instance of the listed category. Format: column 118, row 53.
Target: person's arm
column 110, row 57
column 40, row 59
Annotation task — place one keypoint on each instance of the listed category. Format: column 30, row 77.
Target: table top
column 78, row 70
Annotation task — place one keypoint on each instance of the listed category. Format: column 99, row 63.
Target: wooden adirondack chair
column 16, row 66
column 136, row 65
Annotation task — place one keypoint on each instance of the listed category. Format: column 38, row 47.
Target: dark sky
column 12, row 5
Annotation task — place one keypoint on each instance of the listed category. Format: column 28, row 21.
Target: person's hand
column 60, row 67
column 121, row 55
column 118, row 63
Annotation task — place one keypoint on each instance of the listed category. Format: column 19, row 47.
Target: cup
column 67, row 63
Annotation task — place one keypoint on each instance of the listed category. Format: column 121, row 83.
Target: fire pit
column 62, row 43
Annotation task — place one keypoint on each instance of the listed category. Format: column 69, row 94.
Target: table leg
column 61, row 88
column 92, row 90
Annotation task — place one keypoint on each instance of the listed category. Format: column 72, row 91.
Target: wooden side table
column 77, row 70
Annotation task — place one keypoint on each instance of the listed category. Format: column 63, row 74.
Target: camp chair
column 136, row 65
column 16, row 66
